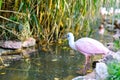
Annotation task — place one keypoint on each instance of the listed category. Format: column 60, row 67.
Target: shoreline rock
column 18, row 44
column 16, row 50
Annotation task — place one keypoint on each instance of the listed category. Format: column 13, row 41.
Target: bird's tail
column 110, row 52
column 111, row 56
column 115, row 55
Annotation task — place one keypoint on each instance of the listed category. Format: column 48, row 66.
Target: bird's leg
column 87, row 63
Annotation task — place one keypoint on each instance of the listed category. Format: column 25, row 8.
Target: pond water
column 59, row 63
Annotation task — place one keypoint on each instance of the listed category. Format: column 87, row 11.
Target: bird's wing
column 90, row 46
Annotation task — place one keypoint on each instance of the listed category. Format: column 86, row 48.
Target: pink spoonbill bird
column 88, row 47
column 101, row 29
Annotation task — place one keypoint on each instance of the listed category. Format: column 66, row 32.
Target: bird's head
column 101, row 27
column 70, row 36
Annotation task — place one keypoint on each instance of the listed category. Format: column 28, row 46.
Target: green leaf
column 21, row 5
column 0, row 4
column 37, row 23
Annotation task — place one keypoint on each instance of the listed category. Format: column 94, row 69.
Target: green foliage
column 114, row 71
column 14, row 18
column 0, row 4
column 117, row 44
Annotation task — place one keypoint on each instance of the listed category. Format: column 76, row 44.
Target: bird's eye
column 67, row 35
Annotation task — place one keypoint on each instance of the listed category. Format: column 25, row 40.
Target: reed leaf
column 1, row 4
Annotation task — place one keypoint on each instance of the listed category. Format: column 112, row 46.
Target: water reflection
column 57, row 64
column 17, row 71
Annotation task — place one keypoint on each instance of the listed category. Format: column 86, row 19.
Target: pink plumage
column 89, row 46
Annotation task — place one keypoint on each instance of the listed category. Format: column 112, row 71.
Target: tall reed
column 49, row 20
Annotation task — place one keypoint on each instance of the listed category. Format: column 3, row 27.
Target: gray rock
column 101, row 71
column 29, row 42
column 11, row 44
column 17, row 44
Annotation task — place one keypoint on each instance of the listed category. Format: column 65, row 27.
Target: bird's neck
column 72, row 44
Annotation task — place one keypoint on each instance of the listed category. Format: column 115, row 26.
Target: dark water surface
column 56, row 64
